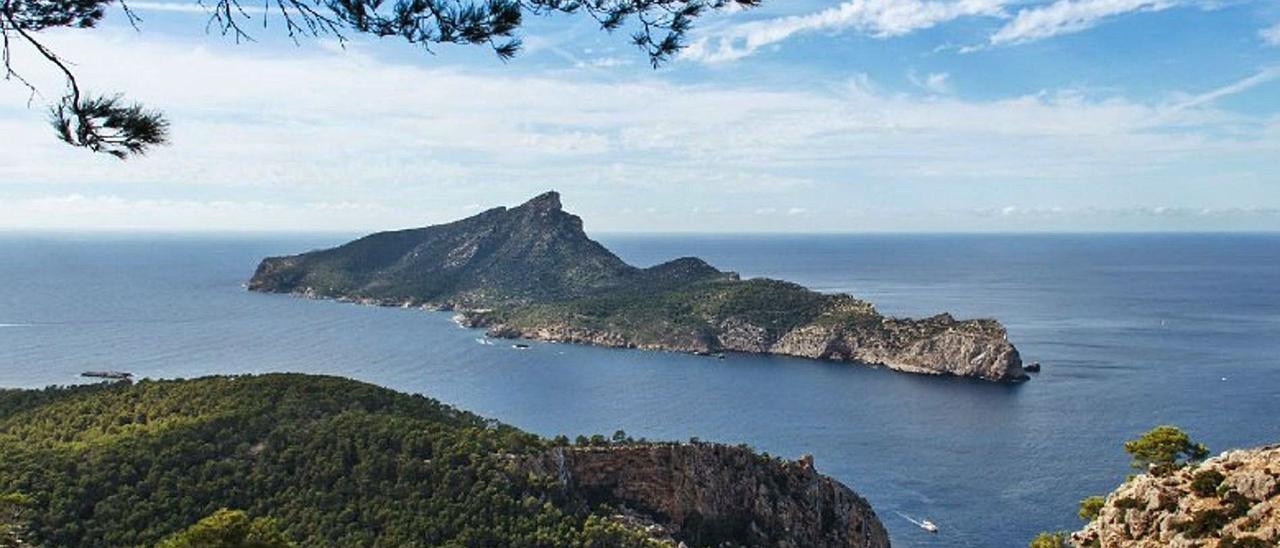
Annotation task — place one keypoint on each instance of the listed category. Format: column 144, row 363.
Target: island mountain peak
column 532, row 271
column 547, row 201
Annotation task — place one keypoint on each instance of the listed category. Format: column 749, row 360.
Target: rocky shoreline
column 973, row 348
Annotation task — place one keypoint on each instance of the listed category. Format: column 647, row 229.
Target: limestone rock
column 1151, row 511
column 704, row 493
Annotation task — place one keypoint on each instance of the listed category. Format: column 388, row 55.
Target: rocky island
column 531, row 271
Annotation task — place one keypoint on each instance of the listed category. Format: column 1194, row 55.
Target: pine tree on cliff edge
column 111, row 125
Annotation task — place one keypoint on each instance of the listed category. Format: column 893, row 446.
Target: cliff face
column 939, row 345
column 531, row 271
column 1232, row 500
column 708, row 494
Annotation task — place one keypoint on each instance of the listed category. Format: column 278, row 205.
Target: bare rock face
column 708, row 494
column 939, row 345
column 1232, row 500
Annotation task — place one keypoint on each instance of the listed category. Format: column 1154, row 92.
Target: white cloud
column 269, row 134
column 891, row 18
column 880, row 18
column 604, row 62
column 112, row 212
column 1068, row 16
column 1271, row 35
column 935, row 82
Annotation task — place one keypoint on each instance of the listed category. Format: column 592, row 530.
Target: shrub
column 1204, row 523
column 228, row 529
column 1127, row 503
column 1237, row 505
column 1090, row 507
column 1205, row 483
column 1047, row 539
column 1164, row 448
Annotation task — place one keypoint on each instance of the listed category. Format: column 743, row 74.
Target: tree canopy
column 330, row 461
column 109, row 124
column 228, row 529
column 1163, row 448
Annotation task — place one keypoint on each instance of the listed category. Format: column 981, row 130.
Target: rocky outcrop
column 940, row 345
column 531, row 271
column 707, row 494
column 1232, row 500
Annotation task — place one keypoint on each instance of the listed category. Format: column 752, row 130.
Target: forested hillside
column 335, row 462
column 325, row 461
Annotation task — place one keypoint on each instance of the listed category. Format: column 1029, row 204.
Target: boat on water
column 921, row 523
column 520, row 346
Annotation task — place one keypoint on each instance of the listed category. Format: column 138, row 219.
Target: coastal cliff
column 1230, row 501
column 532, row 272
column 710, row 495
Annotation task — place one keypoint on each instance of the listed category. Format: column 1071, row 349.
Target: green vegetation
column 531, row 253
column 532, row 266
column 324, row 461
column 650, row 314
column 1126, row 503
column 1090, row 507
column 14, row 512
column 1204, row 523
column 1163, row 449
column 1205, row 483
column 228, row 529
column 531, row 271
column 1055, row 539
column 1159, row 450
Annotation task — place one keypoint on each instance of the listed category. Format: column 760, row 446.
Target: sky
column 799, row 116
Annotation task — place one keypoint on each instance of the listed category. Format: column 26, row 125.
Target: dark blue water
column 1134, row 331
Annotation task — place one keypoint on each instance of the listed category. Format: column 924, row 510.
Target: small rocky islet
column 532, row 272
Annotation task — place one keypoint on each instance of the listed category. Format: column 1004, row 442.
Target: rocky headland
column 1229, row 501
column 336, row 462
column 710, row 494
column 531, row 271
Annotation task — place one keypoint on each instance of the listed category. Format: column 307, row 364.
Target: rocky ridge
column 709, row 494
column 532, row 272
column 1229, row 501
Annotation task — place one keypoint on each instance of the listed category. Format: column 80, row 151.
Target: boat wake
column 921, row 523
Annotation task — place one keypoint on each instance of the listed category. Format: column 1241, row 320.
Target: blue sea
column 1133, row 331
